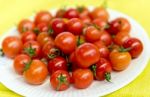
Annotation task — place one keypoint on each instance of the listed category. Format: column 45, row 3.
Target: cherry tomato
column 43, row 16
column 119, row 25
column 121, row 37
column 58, row 25
column 60, row 80
column 103, row 70
column 11, row 46
column 41, row 27
column 100, row 23
column 43, row 38
column 120, row 60
column 49, row 51
column 106, row 38
column 83, row 11
column 71, row 13
column 32, row 48
column 86, row 55
column 85, row 20
column 75, row 26
column 103, row 50
column 28, row 36
column 36, row 72
column 92, row 34
column 19, row 63
column 66, row 42
column 25, row 25
column 101, row 13
column 135, row 45
column 82, row 78
column 58, row 63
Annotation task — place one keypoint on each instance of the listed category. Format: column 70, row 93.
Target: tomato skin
column 43, row 16
column 36, row 73
column 86, row 55
column 85, row 20
column 28, row 36
column 25, row 25
column 121, row 37
column 66, row 42
column 119, row 25
column 11, row 46
column 75, row 26
column 106, row 38
column 34, row 46
column 92, row 34
column 101, row 13
column 103, row 66
column 42, row 27
column 60, row 13
column 55, row 80
column 120, row 60
column 19, row 63
column 100, row 23
column 135, row 45
column 58, row 63
column 43, row 38
column 71, row 13
column 58, row 25
column 82, row 78
column 103, row 50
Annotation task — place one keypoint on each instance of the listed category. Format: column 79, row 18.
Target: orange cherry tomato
column 36, row 72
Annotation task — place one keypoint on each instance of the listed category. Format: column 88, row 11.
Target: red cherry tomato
column 75, row 26
column 92, row 34
column 106, row 38
column 43, row 38
column 119, row 25
column 25, row 25
column 135, row 45
column 86, row 55
column 86, row 19
column 58, row 25
column 120, row 38
column 28, row 36
column 103, row 50
column 60, row 80
column 60, row 13
column 11, row 46
column 83, row 11
column 19, row 63
column 58, row 63
column 100, row 23
column 103, row 70
column 43, row 16
column 71, row 13
column 66, row 42
column 41, row 27
column 36, row 72
column 101, row 13
column 82, row 78
column 32, row 48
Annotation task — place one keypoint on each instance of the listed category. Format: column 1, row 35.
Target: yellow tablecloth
column 11, row 11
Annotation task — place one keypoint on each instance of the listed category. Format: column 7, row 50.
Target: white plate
column 98, row 88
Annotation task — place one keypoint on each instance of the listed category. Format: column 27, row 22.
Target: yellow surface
column 11, row 11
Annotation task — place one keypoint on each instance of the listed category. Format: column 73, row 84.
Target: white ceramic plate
column 98, row 88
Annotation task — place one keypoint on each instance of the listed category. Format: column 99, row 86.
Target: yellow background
column 11, row 11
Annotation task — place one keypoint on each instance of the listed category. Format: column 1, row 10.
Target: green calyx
column 80, row 41
column 50, row 31
column 80, row 9
column 122, row 49
column 36, row 31
column 30, row 51
column 27, row 66
column 93, row 68
column 1, row 52
column 54, row 53
column 62, row 80
column 108, row 76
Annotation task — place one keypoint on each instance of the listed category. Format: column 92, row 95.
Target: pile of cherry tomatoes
column 75, row 46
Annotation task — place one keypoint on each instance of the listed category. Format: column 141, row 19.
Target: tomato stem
column 36, row 31
column 122, row 49
column 62, row 80
column 1, row 52
column 80, row 9
column 108, row 76
column 50, row 31
column 93, row 68
column 55, row 53
column 30, row 51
